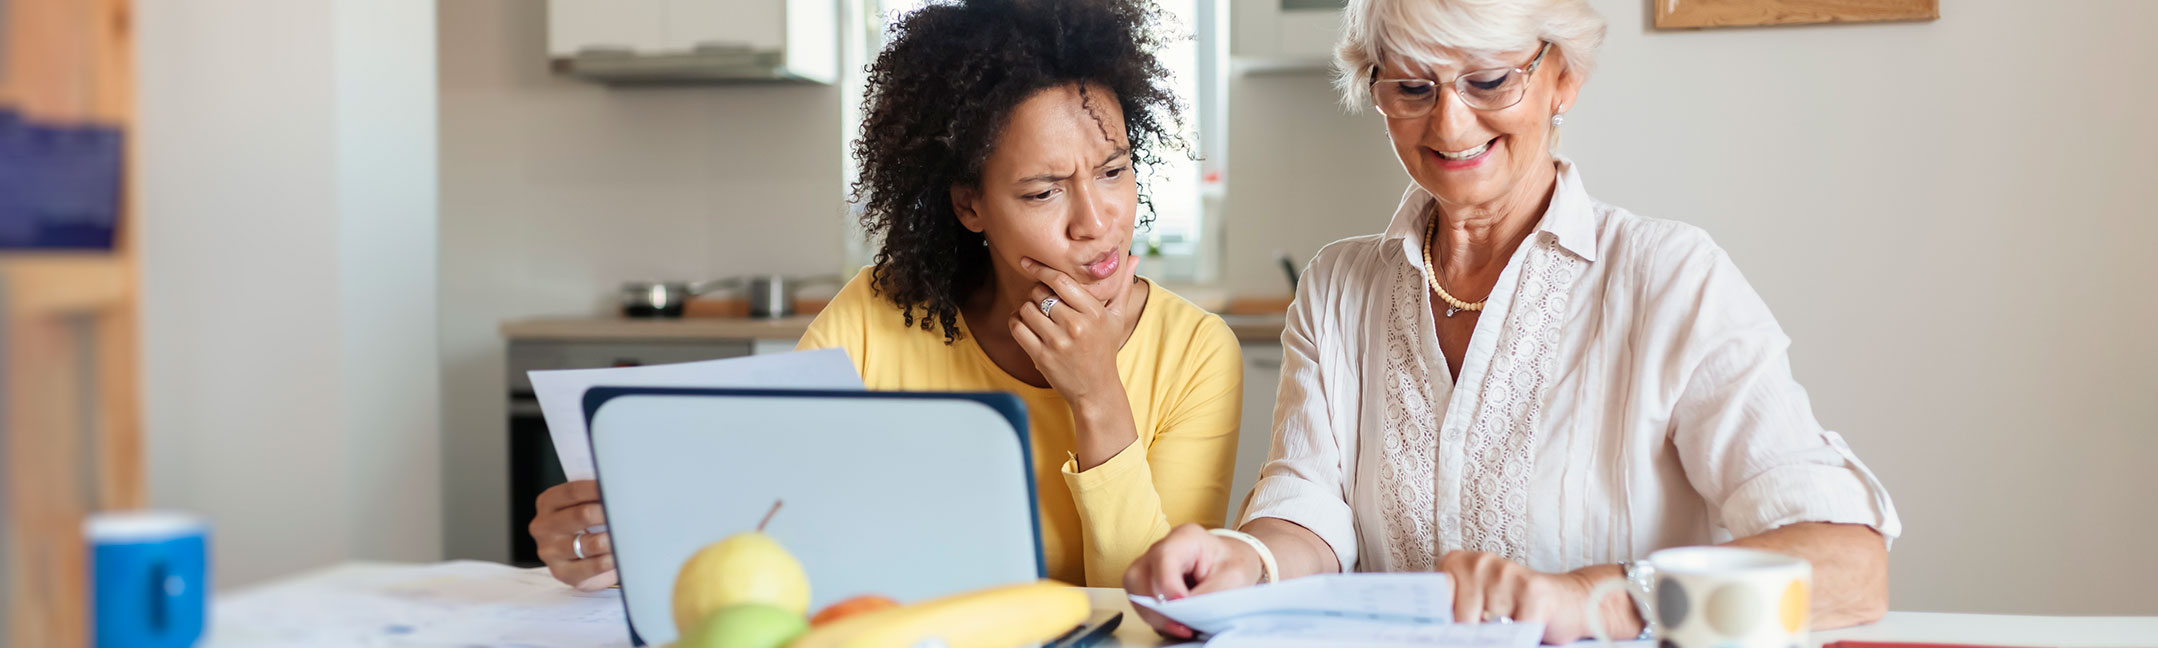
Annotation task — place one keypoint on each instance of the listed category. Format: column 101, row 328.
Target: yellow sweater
column 1183, row 371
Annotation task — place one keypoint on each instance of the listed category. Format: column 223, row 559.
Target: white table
column 264, row 615
column 1928, row 627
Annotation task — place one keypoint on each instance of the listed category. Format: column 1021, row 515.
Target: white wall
column 287, row 189
column 1951, row 219
column 555, row 190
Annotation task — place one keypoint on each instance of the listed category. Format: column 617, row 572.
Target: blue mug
column 149, row 578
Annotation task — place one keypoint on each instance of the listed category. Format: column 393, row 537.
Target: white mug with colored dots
column 1719, row 597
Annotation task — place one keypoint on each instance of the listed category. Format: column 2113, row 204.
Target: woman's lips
column 1104, row 267
column 1451, row 164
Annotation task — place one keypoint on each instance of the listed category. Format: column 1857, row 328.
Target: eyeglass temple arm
column 1533, row 64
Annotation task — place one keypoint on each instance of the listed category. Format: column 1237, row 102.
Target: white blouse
column 1625, row 391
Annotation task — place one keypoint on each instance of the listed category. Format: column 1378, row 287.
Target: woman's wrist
column 1103, row 413
column 1618, row 611
column 1103, row 429
column 1250, row 553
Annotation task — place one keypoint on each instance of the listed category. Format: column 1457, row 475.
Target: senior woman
column 1516, row 384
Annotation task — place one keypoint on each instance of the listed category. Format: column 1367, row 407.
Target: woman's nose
column 1450, row 116
column 1090, row 217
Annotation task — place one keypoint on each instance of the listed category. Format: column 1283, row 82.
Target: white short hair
column 1373, row 31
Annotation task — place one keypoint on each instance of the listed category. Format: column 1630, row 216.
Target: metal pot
column 661, row 298
column 770, row 296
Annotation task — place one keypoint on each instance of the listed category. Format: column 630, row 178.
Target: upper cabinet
column 1284, row 35
column 759, row 24
column 575, row 26
column 693, row 41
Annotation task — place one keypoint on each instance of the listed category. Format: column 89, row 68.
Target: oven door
column 533, row 469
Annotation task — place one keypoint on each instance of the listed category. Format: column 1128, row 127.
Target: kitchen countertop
column 681, row 328
column 1256, row 329
column 1249, row 329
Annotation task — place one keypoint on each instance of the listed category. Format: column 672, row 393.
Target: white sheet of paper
column 462, row 603
column 561, row 392
column 1331, row 632
column 1396, row 598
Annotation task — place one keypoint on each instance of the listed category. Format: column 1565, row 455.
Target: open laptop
column 908, row 495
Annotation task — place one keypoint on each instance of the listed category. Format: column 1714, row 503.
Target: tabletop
column 465, row 602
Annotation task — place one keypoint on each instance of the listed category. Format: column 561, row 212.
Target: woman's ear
column 966, row 204
column 1569, row 88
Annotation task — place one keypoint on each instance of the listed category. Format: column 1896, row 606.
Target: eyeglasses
column 1492, row 89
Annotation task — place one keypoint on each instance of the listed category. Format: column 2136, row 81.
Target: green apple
column 749, row 625
column 747, row 567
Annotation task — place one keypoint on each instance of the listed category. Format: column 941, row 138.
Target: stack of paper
column 1409, row 599
column 1365, row 610
column 460, row 603
column 1314, row 632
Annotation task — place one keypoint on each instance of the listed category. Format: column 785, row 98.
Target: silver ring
column 577, row 544
column 1048, row 303
column 1497, row 618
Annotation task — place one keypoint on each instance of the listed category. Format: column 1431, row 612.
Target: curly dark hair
column 941, row 93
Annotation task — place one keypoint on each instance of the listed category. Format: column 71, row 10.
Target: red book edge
column 1895, row 644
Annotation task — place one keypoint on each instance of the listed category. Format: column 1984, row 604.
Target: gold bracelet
column 1268, row 572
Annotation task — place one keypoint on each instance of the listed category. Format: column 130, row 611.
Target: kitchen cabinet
column 575, row 26
column 1284, row 35
column 695, row 40
column 1262, row 377
column 757, row 24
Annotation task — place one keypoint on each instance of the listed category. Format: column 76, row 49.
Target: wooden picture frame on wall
column 1695, row 14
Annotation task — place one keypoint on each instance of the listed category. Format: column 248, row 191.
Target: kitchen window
column 1183, row 244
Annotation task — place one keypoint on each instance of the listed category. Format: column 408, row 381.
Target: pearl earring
column 1558, row 119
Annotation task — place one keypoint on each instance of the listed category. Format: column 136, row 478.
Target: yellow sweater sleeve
column 1178, row 474
column 843, row 324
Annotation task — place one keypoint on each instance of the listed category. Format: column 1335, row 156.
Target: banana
column 998, row 617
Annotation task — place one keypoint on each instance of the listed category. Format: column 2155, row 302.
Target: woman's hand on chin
column 1075, row 341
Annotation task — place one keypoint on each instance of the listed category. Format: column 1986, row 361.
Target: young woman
column 1000, row 159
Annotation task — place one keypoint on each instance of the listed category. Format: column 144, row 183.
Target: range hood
column 704, row 65
column 694, row 41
